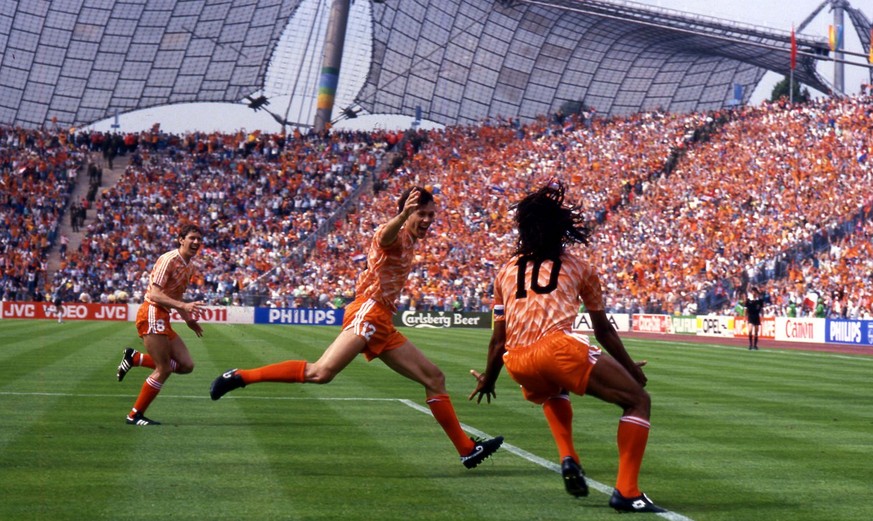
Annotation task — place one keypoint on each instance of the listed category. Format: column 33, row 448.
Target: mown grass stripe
column 735, row 435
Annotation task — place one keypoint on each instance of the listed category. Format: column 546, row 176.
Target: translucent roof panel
column 78, row 61
column 463, row 60
column 459, row 61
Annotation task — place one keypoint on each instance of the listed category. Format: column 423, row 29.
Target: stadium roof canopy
column 79, row 61
column 82, row 60
column 462, row 61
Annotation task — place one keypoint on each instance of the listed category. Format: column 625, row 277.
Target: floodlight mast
column 862, row 27
column 839, row 66
column 333, row 56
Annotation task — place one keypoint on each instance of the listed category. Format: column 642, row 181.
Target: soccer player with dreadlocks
column 536, row 298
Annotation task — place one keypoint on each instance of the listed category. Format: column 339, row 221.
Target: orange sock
column 444, row 413
column 290, row 371
column 633, row 434
column 147, row 394
column 559, row 414
column 143, row 360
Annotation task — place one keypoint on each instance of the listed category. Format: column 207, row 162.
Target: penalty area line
column 542, row 462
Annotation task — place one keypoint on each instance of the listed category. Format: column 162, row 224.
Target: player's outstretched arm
column 485, row 382
column 392, row 227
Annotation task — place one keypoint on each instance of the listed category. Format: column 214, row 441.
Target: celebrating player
column 166, row 352
column 368, row 329
column 536, row 297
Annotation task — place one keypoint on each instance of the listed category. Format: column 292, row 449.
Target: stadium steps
column 80, row 190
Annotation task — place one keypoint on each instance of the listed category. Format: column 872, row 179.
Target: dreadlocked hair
column 546, row 224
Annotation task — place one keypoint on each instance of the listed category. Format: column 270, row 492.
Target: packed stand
column 257, row 196
column 739, row 208
column 678, row 229
column 38, row 169
column 688, row 210
column 476, row 173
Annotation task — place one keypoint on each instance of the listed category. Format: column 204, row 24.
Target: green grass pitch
column 736, row 435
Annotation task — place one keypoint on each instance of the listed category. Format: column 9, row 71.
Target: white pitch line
column 528, row 456
column 533, row 458
column 195, row 397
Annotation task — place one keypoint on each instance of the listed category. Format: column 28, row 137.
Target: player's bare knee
column 639, row 404
column 185, row 368
column 436, row 382
column 645, row 401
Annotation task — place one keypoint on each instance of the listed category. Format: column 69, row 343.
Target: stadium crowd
column 686, row 220
column 688, row 210
column 740, row 207
column 37, row 172
column 257, row 195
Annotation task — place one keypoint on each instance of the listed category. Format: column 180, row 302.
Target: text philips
column 303, row 316
column 845, row 332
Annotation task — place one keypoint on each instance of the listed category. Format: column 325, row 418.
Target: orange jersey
column 172, row 274
column 537, row 298
column 387, row 269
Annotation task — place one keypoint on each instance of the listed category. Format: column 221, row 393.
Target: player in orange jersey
column 166, row 352
column 368, row 329
column 536, row 297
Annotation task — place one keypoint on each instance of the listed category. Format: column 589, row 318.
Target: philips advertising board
column 299, row 316
column 859, row 332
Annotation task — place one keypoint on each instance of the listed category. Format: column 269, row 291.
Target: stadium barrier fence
column 786, row 329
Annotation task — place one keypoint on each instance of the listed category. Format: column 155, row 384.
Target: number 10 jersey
column 537, row 297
